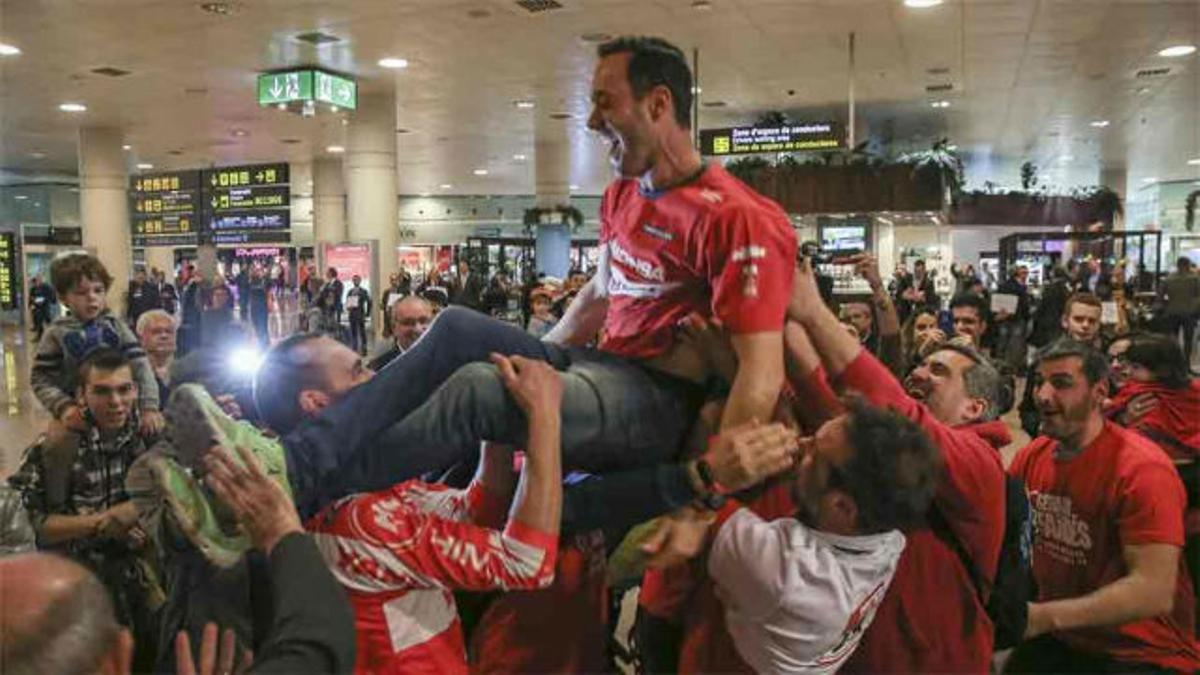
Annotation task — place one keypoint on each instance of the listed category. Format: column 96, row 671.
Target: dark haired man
column 1080, row 321
column 1181, row 297
column 678, row 237
column 970, row 314
column 1113, row 592
column 76, row 499
column 916, row 292
column 955, row 396
column 800, row 592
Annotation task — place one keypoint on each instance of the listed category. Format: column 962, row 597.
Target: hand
column 213, row 661
column 745, row 455
column 116, row 521
column 679, row 536
column 72, row 418
column 1138, row 407
column 806, row 297
column 136, row 537
column 152, row 423
column 534, row 384
column 258, row 503
column 933, row 338
column 867, row 267
column 712, row 342
column 229, row 404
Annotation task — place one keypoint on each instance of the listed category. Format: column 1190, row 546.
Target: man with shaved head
column 56, row 617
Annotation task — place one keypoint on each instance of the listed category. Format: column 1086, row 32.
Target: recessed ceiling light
column 480, row 172
column 1177, row 50
column 240, row 133
column 1152, row 179
column 9, row 50
column 20, row 198
column 218, row 8
column 144, row 166
column 922, row 4
column 1194, row 162
column 697, row 90
column 73, row 107
column 335, row 149
column 393, row 62
column 572, row 187
column 445, row 186
column 940, row 104
column 1100, row 124
column 523, row 104
column 37, row 154
column 520, row 158
column 701, row 5
column 1067, row 158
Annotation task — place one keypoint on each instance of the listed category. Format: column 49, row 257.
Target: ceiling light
column 143, row 166
column 9, row 50
column 1100, row 124
column 1178, row 50
column 922, row 4
column 524, row 104
column 282, row 106
column 37, row 154
column 126, row 147
column 572, row 187
column 520, row 158
column 1150, row 180
column 240, row 133
column 697, row 90
column 1067, row 158
column 20, row 198
column 335, row 149
column 445, row 186
column 940, row 104
column 701, row 5
column 218, row 8
column 393, row 62
column 73, row 107
column 1194, row 162
column 480, row 172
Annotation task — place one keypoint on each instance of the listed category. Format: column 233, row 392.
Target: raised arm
column 838, row 349
column 759, row 378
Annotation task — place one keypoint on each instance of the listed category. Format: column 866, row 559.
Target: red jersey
column 931, row 619
column 1174, row 423
column 399, row 553
column 712, row 246
column 561, row 629
column 1121, row 490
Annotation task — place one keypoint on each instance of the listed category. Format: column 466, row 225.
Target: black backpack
column 1007, row 598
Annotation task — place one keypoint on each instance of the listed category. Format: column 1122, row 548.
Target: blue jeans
column 431, row 407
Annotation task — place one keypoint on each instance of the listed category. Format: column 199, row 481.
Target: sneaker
column 195, row 423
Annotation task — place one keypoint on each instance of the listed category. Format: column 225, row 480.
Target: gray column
column 372, row 208
column 329, row 201
column 104, row 206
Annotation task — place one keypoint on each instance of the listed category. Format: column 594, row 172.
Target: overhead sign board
column 8, row 270
column 307, row 84
column 165, row 208
column 799, row 137
column 247, row 204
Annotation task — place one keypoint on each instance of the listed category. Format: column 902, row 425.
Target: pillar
column 372, row 208
column 104, row 206
column 552, row 169
column 329, row 201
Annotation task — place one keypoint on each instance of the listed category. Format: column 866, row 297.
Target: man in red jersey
column 679, row 237
column 931, row 618
column 400, row 552
column 1113, row 592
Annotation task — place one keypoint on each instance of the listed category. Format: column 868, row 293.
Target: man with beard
column 1080, row 322
column 1113, row 592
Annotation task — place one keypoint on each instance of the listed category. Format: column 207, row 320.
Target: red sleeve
column 400, row 547
column 1151, row 505
column 750, row 255
column 814, row 401
column 485, row 508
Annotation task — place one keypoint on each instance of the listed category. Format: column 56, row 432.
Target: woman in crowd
column 218, row 328
column 918, row 334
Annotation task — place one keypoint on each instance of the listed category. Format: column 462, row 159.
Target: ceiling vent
column 714, row 104
column 538, row 6
column 934, row 88
column 290, row 141
column 561, row 116
column 1147, row 73
column 316, row 38
column 109, row 71
column 938, row 71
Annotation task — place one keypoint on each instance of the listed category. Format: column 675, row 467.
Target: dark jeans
column 1046, row 654
column 431, row 406
column 1186, row 325
column 358, row 332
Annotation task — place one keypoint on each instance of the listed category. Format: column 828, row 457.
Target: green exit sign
column 307, row 84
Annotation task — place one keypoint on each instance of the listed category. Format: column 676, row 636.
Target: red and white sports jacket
column 400, row 552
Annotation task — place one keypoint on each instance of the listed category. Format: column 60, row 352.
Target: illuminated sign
column 800, row 137
column 247, row 204
column 8, row 271
column 165, row 208
column 307, row 84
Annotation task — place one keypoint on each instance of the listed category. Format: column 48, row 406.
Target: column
column 552, row 165
column 372, row 208
column 328, row 201
column 104, row 206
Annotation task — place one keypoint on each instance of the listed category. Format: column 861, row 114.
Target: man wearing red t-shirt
column 679, row 236
column 931, row 619
column 1113, row 592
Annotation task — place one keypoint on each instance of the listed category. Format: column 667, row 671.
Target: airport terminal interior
column 638, row 336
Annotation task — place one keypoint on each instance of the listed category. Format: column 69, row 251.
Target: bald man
column 56, row 617
column 410, row 317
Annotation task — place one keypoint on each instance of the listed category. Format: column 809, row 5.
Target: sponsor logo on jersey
column 657, row 232
column 646, row 269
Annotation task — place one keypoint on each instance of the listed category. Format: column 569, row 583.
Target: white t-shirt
column 798, row 600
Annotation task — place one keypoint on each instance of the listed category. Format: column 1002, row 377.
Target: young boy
column 543, row 318
column 82, row 283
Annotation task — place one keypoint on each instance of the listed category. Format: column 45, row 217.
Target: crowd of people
column 789, row 489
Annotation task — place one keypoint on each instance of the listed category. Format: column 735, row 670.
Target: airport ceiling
column 1023, row 79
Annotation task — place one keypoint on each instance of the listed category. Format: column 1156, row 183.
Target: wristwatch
column 710, row 497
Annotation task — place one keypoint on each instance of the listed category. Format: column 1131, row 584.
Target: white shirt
column 798, row 600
